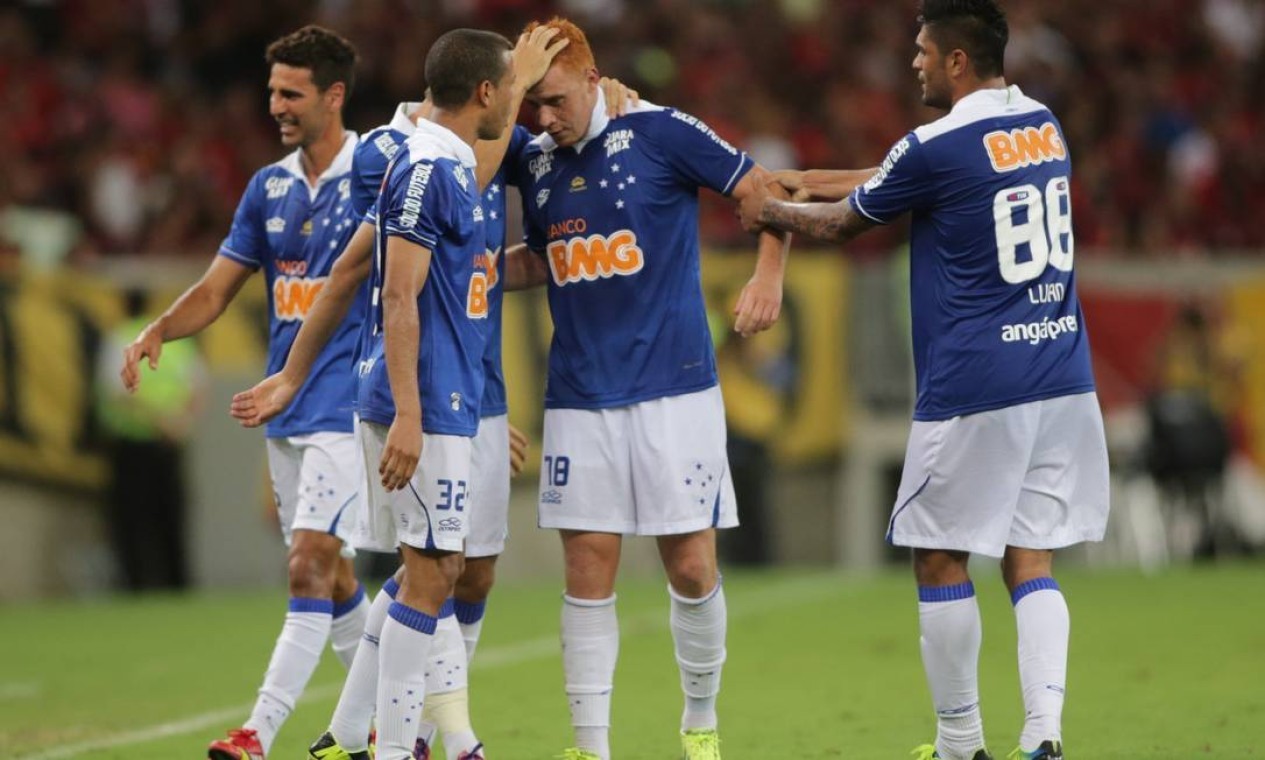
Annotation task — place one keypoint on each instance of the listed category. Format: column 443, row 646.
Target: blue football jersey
column 616, row 218
column 996, row 319
column 294, row 232
column 431, row 199
column 374, row 153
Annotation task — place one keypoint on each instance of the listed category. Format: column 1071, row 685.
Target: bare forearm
column 832, row 184
column 524, row 269
column 772, row 250
column 402, row 333
column 834, row 222
column 196, row 308
column 331, row 305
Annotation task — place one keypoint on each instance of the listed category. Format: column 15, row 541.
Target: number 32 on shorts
column 1042, row 221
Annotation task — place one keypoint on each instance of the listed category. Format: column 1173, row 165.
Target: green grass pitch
column 821, row 665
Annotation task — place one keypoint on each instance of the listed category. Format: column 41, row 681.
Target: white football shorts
column 317, row 484
column 1032, row 476
column 433, row 512
column 654, row 468
column 489, row 488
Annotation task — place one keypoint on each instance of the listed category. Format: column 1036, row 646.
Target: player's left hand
column 620, row 98
column 270, row 397
column 518, row 450
column 759, row 305
column 534, row 53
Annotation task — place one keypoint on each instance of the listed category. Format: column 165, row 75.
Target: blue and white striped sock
column 349, row 625
column 403, row 654
column 353, row 717
column 470, row 618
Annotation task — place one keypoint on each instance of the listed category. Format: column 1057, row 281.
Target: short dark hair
column 977, row 27
column 460, row 61
column 330, row 57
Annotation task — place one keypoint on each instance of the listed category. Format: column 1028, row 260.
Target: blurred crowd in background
column 131, row 126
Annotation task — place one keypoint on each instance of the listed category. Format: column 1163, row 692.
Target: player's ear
column 484, row 92
column 335, row 94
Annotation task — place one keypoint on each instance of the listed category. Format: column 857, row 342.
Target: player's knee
column 345, row 583
column 311, row 575
column 450, row 567
column 476, row 581
column 693, row 575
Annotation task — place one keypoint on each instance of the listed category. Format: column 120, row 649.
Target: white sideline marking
column 752, row 604
column 19, row 690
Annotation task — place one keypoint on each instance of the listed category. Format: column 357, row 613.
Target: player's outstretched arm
column 833, row 222
column 271, row 396
column 196, row 308
column 531, row 58
column 524, row 269
column 407, row 265
column 760, row 303
column 822, row 184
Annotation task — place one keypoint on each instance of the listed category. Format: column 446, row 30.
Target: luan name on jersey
column 996, row 318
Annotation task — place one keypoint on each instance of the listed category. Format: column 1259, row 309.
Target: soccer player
column 294, row 217
column 421, row 381
column 634, row 438
column 1007, row 456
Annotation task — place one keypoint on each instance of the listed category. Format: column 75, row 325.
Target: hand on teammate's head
column 534, row 53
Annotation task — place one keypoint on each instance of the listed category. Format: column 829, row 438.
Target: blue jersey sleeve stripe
column 744, row 162
column 855, row 200
column 229, row 253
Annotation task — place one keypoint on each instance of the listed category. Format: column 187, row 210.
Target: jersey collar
column 401, row 122
column 987, row 97
column 341, row 164
column 449, row 140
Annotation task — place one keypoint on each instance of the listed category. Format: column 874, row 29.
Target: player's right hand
column 533, row 54
column 270, row 397
column 149, row 344
column 402, row 451
column 792, row 180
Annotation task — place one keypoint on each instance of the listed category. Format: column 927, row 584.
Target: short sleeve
column 903, row 183
column 247, row 240
column 417, row 203
column 697, row 155
column 368, row 168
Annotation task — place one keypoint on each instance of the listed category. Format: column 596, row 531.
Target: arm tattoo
column 833, row 222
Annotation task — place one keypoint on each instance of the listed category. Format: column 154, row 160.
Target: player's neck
column 463, row 123
column 318, row 156
column 995, row 83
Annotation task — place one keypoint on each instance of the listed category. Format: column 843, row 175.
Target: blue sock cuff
column 1036, row 584
column 391, row 587
column 308, row 604
column 469, row 612
column 342, row 608
column 946, row 593
column 415, row 619
column 446, row 609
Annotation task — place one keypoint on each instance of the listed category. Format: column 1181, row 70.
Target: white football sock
column 1044, row 625
column 294, row 658
column 447, row 682
column 353, row 717
column 349, row 625
column 698, row 630
column 590, row 647
column 403, row 652
column 470, row 616
column 951, row 633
